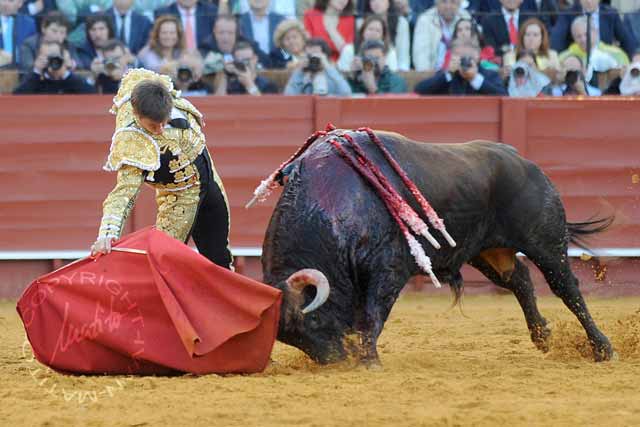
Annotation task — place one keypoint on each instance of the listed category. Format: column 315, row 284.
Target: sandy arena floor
column 440, row 369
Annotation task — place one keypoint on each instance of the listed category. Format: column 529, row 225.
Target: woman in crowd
column 99, row 30
column 466, row 29
column 535, row 37
column 166, row 44
column 399, row 33
column 332, row 21
column 374, row 27
column 289, row 38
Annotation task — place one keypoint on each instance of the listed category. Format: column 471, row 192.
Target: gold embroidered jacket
column 164, row 161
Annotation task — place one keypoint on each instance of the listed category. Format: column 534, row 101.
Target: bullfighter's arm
column 120, row 201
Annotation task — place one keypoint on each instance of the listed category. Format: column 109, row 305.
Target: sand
column 439, row 369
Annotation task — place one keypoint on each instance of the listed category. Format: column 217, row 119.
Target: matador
column 158, row 140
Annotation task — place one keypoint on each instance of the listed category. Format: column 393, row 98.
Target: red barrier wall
column 53, row 149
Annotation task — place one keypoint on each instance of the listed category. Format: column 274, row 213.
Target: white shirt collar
column 508, row 14
column 183, row 11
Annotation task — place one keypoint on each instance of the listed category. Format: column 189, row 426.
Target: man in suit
column 258, row 26
column 14, row 29
column 224, row 37
column 197, row 20
column 464, row 76
column 501, row 29
column 604, row 19
column 37, row 8
column 131, row 27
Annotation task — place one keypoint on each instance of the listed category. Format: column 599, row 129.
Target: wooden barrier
column 53, row 149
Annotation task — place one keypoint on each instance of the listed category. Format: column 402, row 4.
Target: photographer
column 187, row 76
column 371, row 74
column 628, row 84
column 240, row 76
column 315, row 75
column 574, row 79
column 463, row 76
column 109, row 68
column 525, row 80
column 51, row 73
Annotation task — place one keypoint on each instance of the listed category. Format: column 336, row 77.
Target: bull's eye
column 314, row 321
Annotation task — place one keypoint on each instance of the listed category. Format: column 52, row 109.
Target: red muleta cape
column 164, row 309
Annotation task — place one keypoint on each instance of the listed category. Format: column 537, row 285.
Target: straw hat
column 284, row 27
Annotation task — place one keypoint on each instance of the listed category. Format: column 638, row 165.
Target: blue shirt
column 7, row 33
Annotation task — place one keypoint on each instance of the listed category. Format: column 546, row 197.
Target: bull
column 341, row 261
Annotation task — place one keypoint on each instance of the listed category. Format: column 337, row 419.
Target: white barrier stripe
column 256, row 252
column 75, row 254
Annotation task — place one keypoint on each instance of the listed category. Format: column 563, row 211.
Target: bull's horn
column 308, row 276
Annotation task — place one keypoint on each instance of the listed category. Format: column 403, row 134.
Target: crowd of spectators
column 521, row 48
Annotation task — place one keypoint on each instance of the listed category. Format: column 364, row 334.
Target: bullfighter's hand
column 102, row 246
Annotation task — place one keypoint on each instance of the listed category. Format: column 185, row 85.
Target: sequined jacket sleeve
column 120, row 201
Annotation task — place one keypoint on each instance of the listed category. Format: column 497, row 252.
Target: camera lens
column 571, row 77
column 466, row 62
column 55, row 62
column 635, row 72
column 240, row 66
column 184, row 74
column 519, row 72
column 368, row 63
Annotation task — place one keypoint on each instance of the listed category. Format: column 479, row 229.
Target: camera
column 369, row 63
column 55, row 62
column 240, row 66
column 110, row 65
column 466, row 62
column 184, row 74
column 315, row 64
column 571, row 78
column 519, row 72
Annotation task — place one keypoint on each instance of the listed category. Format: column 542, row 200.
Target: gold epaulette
column 131, row 146
column 184, row 105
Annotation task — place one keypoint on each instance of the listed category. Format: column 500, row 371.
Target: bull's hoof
column 540, row 337
column 603, row 352
column 372, row 363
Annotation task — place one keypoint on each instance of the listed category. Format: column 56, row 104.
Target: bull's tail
column 578, row 231
column 456, row 284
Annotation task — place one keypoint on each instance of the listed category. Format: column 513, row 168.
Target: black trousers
column 210, row 230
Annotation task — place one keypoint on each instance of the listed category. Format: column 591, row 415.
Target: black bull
column 493, row 202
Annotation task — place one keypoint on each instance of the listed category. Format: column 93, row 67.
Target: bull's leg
column 383, row 290
column 564, row 284
column 519, row 282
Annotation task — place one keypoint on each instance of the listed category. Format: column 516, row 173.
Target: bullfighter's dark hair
column 152, row 100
